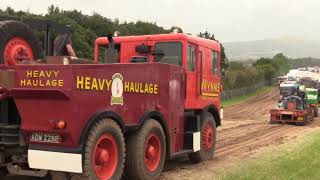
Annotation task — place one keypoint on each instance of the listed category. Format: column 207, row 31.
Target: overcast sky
column 230, row 20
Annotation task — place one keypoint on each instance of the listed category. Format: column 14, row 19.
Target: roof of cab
column 162, row 37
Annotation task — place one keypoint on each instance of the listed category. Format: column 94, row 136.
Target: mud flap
column 196, row 141
column 56, row 161
column 221, row 113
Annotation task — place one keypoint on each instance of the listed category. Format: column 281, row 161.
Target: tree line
column 248, row 73
column 304, row 62
column 240, row 74
column 86, row 28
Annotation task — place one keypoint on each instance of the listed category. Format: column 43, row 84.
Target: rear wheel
column 146, row 152
column 207, row 141
column 17, row 43
column 104, row 151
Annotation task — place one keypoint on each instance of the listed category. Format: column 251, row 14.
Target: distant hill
column 290, row 46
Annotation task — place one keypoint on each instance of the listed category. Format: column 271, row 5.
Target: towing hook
column 4, row 93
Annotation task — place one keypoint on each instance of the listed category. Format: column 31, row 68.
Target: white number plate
column 48, row 138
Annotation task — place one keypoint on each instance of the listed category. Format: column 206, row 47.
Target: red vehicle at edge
column 152, row 98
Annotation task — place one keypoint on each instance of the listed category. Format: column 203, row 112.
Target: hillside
column 290, row 46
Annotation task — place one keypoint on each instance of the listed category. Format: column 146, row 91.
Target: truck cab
column 199, row 57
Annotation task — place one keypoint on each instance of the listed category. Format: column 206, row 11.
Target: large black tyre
column 207, row 140
column 3, row 172
column 59, row 176
column 104, row 139
column 300, row 123
column 146, row 152
column 15, row 29
column 315, row 111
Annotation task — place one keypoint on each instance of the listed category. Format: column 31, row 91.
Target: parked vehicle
column 143, row 99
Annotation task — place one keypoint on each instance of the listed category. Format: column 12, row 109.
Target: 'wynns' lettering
column 209, row 88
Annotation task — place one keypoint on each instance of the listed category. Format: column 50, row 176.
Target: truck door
column 191, row 88
column 199, row 65
column 210, row 74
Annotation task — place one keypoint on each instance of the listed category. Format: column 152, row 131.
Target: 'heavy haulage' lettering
column 98, row 84
column 42, row 74
column 88, row 83
column 41, row 83
column 143, row 88
column 41, row 79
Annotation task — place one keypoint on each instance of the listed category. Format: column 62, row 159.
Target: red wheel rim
column 105, row 157
column 152, row 152
column 208, row 137
column 16, row 50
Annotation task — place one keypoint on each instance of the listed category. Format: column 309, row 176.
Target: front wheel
column 104, row 152
column 146, row 152
column 207, row 141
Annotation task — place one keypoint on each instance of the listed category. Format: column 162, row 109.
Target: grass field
column 240, row 99
column 293, row 161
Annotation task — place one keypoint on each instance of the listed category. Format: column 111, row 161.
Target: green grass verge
column 243, row 98
column 294, row 161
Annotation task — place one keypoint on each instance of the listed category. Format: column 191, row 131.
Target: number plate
column 287, row 112
column 47, row 138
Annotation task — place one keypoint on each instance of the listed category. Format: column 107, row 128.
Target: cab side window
column 172, row 52
column 191, row 58
column 215, row 62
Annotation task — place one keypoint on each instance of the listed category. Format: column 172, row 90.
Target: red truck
column 145, row 99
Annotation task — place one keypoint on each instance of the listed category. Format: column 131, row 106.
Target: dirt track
column 245, row 131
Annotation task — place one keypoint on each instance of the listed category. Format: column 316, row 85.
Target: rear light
column 301, row 118
column 60, row 124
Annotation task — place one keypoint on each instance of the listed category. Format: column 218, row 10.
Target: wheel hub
column 207, row 137
column 105, row 157
column 152, row 152
column 16, row 50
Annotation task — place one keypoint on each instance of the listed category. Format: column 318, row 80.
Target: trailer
column 297, row 117
column 294, row 108
column 143, row 99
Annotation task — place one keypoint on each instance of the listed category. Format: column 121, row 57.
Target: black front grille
column 9, row 135
column 286, row 117
column 9, row 123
